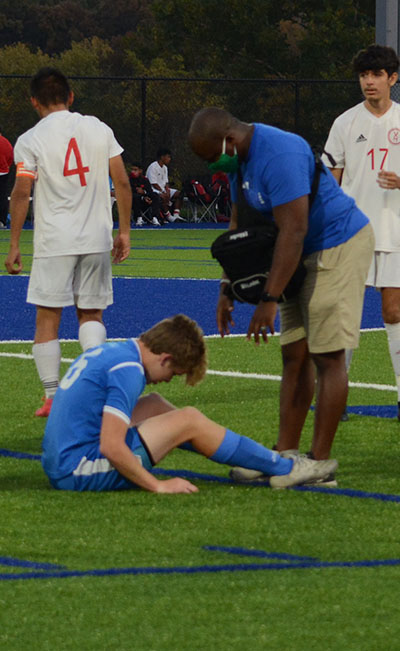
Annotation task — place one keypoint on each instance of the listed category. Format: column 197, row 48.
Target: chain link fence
column 149, row 113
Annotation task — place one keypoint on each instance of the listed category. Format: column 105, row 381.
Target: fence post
column 143, row 122
column 296, row 107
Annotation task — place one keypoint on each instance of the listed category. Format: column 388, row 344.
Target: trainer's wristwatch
column 266, row 297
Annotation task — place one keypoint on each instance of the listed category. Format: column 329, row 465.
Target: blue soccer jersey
column 280, row 168
column 109, row 378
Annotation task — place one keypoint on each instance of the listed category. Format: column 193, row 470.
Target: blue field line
column 200, row 569
column 19, row 455
column 15, row 562
column 241, row 551
column 189, row 474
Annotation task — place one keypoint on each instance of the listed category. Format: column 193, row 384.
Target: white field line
column 232, row 374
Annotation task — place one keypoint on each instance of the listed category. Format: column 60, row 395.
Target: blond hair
column 182, row 338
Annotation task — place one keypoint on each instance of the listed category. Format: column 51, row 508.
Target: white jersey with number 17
column 363, row 144
column 68, row 156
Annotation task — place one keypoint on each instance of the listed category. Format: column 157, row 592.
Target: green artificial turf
column 187, row 606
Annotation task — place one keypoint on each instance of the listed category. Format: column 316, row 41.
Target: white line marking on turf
column 232, row 374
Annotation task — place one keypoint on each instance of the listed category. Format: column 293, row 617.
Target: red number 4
column 79, row 169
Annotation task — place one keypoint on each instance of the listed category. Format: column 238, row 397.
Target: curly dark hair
column 376, row 57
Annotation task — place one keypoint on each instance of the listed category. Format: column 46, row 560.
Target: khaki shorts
column 384, row 270
column 81, row 280
column 327, row 311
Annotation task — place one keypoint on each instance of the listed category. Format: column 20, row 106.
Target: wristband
column 266, row 297
column 224, row 281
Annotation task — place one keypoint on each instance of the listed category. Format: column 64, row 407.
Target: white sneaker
column 304, row 471
column 177, row 217
column 140, row 221
column 155, row 222
column 245, row 475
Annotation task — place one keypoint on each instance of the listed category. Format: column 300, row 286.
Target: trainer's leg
column 169, row 430
column 92, row 331
column 46, row 348
column 331, row 400
column 296, row 393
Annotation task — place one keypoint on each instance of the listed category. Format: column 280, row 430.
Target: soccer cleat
column 245, row 475
column 304, row 471
column 140, row 221
column 155, row 222
column 328, row 482
column 45, row 409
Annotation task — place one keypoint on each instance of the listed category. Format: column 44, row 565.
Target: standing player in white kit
column 67, row 158
column 365, row 145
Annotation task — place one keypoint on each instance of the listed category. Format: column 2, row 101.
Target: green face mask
column 225, row 163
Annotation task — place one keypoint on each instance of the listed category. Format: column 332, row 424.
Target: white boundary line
column 232, row 374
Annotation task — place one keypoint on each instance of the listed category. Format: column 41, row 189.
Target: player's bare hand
column 121, row 248
column 262, row 320
column 176, row 485
column 388, row 180
column 13, row 262
column 224, row 315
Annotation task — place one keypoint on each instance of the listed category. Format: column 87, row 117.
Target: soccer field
column 230, row 567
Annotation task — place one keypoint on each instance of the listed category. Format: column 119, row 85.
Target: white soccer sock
column 91, row 334
column 177, row 211
column 47, row 358
column 393, row 333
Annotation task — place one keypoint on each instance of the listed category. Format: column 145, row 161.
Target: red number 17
column 79, row 169
column 372, row 154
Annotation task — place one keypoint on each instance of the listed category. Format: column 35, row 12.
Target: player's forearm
column 123, row 195
column 123, row 460
column 19, row 205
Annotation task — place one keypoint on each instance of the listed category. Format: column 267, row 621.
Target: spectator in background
column 143, row 197
column 6, row 160
column 157, row 173
column 69, row 158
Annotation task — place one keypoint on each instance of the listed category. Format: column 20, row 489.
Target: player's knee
column 191, row 416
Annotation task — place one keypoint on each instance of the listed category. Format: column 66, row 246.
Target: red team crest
column 394, row 136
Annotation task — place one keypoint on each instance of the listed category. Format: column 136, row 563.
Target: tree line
column 203, row 38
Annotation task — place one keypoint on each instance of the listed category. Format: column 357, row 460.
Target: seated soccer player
column 103, row 435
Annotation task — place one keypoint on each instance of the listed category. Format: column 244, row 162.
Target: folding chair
column 202, row 201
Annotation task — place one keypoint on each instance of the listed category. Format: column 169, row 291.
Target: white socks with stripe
column 47, row 358
column 393, row 333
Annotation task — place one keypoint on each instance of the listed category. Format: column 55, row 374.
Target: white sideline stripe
column 237, row 374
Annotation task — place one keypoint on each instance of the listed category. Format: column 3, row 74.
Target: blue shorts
column 99, row 475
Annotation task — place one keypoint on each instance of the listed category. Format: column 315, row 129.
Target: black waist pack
column 245, row 254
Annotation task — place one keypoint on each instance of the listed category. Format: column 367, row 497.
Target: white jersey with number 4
column 68, row 156
column 363, row 144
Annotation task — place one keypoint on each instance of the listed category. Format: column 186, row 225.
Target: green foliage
column 209, row 38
